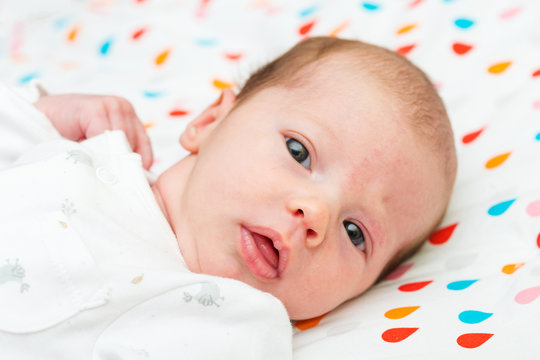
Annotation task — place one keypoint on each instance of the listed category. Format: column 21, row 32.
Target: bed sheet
column 473, row 289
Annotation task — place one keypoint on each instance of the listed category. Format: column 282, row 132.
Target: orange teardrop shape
column 406, row 28
column 499, row 68
column 414, row 286
column 339, row 29
column 400, row 313
column 497, row 160
column 397, row 334
column 442, row 235
column 511, row 268
column 536, row 73
column 73, row 34
column 160, row 59
column 473, row 340
column 309, row 323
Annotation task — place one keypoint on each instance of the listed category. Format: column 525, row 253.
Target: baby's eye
column 299, row 152
column 355, row 234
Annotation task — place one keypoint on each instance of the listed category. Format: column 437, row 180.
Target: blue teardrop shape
column 460, row 285
column 464, row 23
column 500, row 208
column 105, row 47
column 206, row 41
column 308, row 11
column 538, row 136
column 152, row 94
column 473, row 316
column 28, row 77
column 370, row 6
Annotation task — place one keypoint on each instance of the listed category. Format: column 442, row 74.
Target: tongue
column 267, row 249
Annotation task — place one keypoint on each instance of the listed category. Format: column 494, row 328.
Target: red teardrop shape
column 461, row 49
column 414, row 286
column 137, row 34
column 234, row 56
column 397, row 334
column 442, row 235
column 470, row 137
column 404, row 50
column 304, row 29
column 178, row 113
column 473, row 340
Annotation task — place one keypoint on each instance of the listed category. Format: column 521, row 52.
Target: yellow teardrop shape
column 222, row 84
column 497, row 160
column 399, row 313
column 499, row 68
column 406, row 28
column 137, row 279
column 160, row 59
column 511, row 268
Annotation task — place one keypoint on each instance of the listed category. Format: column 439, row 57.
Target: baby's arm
column 79, row 116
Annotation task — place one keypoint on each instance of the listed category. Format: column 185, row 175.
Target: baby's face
column 303, row 193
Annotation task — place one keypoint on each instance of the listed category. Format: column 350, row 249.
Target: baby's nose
column 313, row 215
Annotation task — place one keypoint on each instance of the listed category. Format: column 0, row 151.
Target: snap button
column 106, row 175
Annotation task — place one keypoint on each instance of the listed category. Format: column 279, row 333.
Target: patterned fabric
column 473, row 289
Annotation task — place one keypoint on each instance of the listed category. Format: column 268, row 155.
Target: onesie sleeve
column 21, row 124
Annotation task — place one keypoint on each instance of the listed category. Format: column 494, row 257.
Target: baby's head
column 331, row 166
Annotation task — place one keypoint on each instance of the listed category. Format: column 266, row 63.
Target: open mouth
column 263, row 252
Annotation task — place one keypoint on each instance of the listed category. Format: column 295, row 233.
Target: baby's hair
column 418, row 99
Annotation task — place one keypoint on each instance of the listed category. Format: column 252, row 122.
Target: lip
column 255, row 260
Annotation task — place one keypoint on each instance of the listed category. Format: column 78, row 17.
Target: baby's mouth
column 267, row 249
column 264, row 252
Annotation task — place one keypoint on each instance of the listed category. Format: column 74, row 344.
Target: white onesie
column 90, row 268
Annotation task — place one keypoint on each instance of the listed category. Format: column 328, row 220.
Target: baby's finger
column 120, row 113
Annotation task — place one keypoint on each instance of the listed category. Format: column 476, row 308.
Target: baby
column 332, row 165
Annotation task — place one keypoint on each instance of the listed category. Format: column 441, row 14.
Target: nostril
column 299, row 212
column 311, row 233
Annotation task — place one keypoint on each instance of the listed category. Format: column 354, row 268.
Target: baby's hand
column 78, row 117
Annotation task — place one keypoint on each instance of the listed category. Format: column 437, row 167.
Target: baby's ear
column 200, row 127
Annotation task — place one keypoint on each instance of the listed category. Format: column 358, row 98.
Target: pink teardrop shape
column 528, row 295
column 398, row 272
